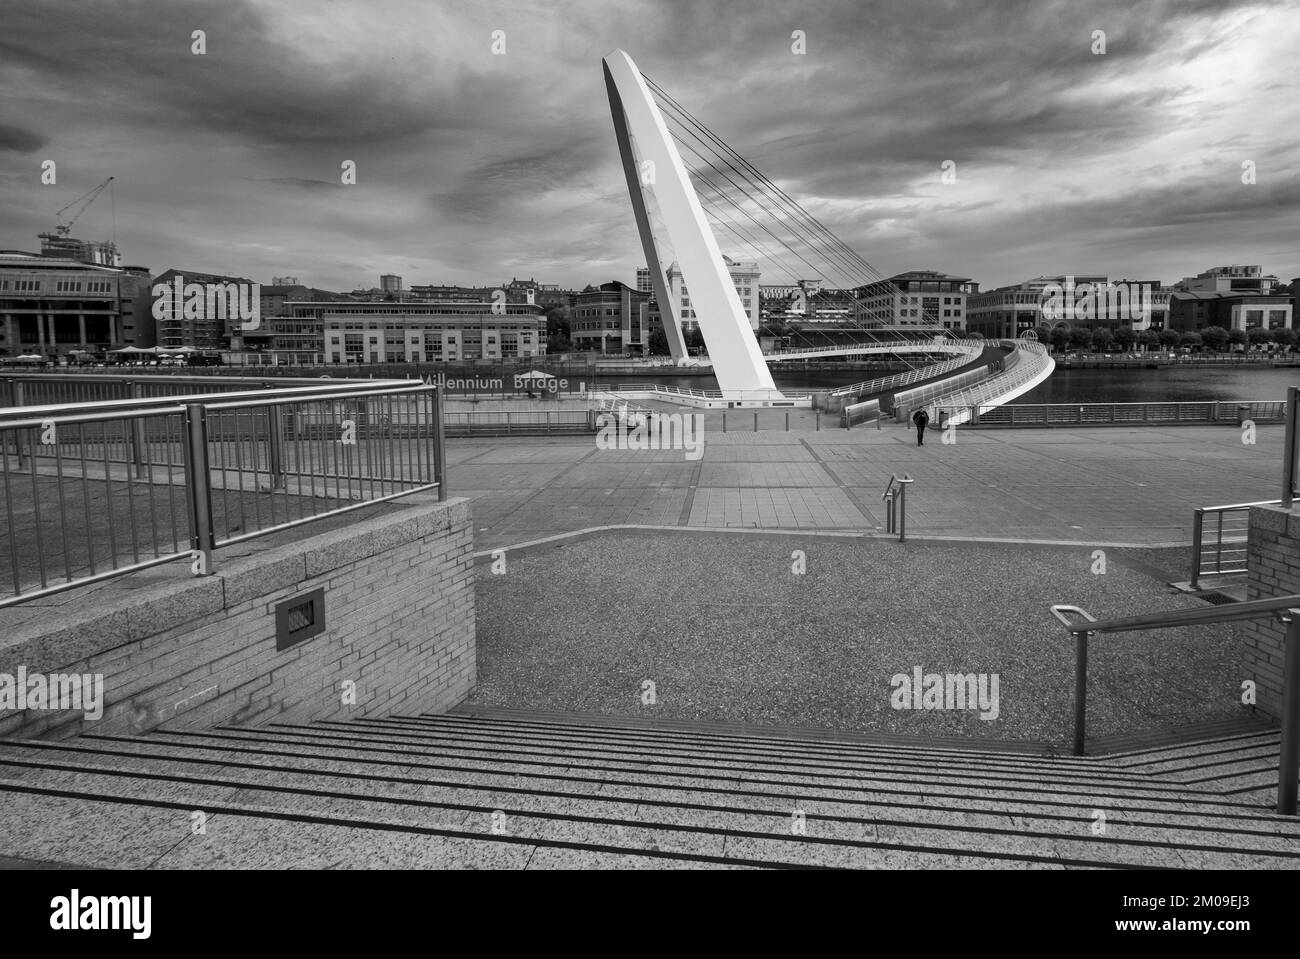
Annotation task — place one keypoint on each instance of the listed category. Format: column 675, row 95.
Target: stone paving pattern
column 1102, row 486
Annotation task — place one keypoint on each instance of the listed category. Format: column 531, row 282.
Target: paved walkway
column 1103, row 486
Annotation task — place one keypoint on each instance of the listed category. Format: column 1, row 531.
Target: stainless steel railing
column 895, row 500
column 1219, row 535
column 1286, row 608
column 1107, row 414
column 887, row 384
column 95, row 491
column 37, row 389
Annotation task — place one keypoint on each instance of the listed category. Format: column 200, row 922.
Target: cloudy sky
column 473, row 167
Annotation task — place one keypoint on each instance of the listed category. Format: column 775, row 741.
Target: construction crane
column 84, row 200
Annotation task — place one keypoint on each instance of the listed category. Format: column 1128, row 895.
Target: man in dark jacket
column 922, row 419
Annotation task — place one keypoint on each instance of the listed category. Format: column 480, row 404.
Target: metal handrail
column 264, row 399
column 916, row 345
column 896, row 517
column 262, row 395
column 1287, row 608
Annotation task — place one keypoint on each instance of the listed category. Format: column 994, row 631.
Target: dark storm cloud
column 471, row 166
column 20, row 140
column 300, row 183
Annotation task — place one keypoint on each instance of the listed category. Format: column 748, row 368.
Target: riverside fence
column 1114, row 414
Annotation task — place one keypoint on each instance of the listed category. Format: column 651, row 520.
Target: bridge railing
column 94, row 491
column 1027, row 363
column 937, row 344
column 907, row 400
column 887, row 384
column 677, row 391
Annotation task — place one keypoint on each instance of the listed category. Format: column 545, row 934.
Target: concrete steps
column 506, row 789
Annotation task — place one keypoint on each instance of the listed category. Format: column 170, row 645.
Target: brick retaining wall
column 1273, row 561
column 187, row 653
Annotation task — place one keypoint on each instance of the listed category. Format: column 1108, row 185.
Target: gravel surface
column 728, row 633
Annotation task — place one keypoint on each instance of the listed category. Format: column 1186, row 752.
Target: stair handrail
column 1286, row 608
column 889, row 497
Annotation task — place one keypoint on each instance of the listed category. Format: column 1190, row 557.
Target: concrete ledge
column 1272, row 518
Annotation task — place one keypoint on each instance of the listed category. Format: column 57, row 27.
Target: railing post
column 198, row 488
column 819, row 421
column 1198, row 526
column 439, row 453
column 787, row 421
column 137, row 433
column 1288, row 766
column 1080, row 690
column 902, row 513
column 275, row 453
column 755, row 421
column 20, row 435
column 1289, row 445
column 724, row 421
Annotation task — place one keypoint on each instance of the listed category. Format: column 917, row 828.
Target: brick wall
column 187, row 653
column 1273, row 561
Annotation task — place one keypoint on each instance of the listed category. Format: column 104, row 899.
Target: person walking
column 922, row 419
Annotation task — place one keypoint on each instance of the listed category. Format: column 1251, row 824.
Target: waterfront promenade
column 1099, row 486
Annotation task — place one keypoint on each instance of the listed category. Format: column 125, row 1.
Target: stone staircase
column 512, row 789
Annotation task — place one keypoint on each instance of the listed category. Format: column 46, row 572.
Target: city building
column 200, row 329
column 276, row 297
column 351, row 331
column 743, row 275
column 611, row 318
column 1077, row 300
column 52, row 303
column 643, row 283
column 390, row 283
column 916, row 298
column 1191, row 311
column 1228, row 279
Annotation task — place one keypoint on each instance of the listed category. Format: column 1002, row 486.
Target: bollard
column 787, row 421
column 724, row 421
column 819, row 421
column 755, row 421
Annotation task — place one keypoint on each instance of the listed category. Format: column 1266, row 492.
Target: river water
column 1168, row 383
